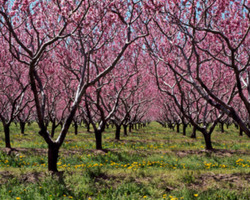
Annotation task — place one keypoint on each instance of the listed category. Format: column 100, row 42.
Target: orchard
column 123, row 90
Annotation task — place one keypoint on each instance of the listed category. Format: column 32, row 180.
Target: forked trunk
column 7, row 135
column 53, row 157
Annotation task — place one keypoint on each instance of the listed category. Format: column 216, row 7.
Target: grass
column 151, row 163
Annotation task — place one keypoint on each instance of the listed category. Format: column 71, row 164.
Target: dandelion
column 18, row 198
column 144, row 197
column 196, row 195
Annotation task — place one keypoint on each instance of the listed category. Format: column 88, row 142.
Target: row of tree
column 123, row 62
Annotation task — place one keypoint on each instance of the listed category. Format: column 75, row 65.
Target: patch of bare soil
column 5, row 176
column 236, row 180
column 26, row 151
column 217, row 152
column 30, row 177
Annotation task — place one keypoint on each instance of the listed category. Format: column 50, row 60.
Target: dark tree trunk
column 236, row 125
column 208, row 141
column 130, row 128
column 171, row 126
column 53, row 157
column 107, row 126
column 88, row 127
column 241, row 132
column 98, row 139
column 133, row 126
column 178, row 128
column 222, row 127
column 22, row 126
column 193, row 135
column 76, row 127
column 184, row 129
column 7, row 135
column 117, row 132
column 125, row 130
column 47, row 124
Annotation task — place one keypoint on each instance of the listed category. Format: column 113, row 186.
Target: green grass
column 151, row 163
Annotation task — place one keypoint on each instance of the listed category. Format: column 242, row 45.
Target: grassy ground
column 152, row 163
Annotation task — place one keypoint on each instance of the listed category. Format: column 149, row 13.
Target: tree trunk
column 117, row 132
column 98, row 139
column 241, row 132
column 133, row 126
column 7, row 135
column 76, row 127
column 193, row 135
column 88, row 127
column 125, row 130
column 22, row 126
column 184, row 128
column 236, row 125
column 222, row 127
column 130, row 128
column 208, row 141
column 178, row 128
column 46, row 124
column 53, row 157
